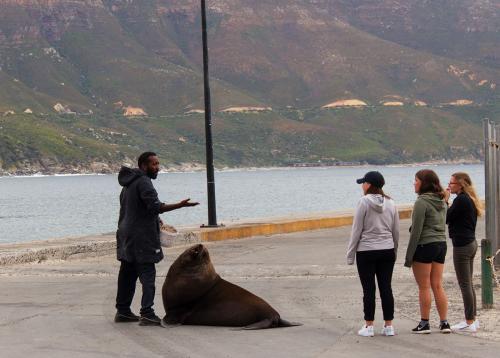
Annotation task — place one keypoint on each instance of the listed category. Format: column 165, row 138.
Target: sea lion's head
column 195, row 256
column 189, row 277
column 195, row 261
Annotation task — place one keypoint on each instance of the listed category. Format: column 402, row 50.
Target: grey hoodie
column 375, row 226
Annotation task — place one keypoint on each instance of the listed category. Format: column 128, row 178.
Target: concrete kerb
column 60, row 249
column 285, row 226
column 70, row 248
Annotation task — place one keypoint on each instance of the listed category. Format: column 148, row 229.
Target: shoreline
column 196, row 168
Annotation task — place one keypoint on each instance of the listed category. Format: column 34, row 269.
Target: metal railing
column 491, row 244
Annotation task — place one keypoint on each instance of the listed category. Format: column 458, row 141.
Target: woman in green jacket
column 427, row 248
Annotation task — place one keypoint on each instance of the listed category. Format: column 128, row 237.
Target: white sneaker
column 366, row 331
column 464, row 327
column 476, row 323
column 387, row 331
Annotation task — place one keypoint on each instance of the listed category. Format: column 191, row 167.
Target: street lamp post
column 212, row 213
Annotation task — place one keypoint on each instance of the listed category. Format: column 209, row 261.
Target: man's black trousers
column 127, row 278
column 380, row 264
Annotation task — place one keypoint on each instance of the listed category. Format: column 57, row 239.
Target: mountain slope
column 459, row 29
column 89, row 55
column 106, row 79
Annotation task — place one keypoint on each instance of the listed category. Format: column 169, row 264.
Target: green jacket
column 428, row 223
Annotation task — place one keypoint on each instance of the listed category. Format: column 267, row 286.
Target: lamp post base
column 211, row 226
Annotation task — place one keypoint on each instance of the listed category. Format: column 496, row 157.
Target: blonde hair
column 466, row 183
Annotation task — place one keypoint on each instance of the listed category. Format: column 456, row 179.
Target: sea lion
column 194, row 294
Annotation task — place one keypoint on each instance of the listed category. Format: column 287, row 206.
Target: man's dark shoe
column 445, row 327
column 126, row 317
column 422, row 329
column 150, row 320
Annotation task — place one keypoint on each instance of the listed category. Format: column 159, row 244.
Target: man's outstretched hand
column 186, row 203
column 181, row 204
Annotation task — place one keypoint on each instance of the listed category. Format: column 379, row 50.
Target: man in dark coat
column 138, row 238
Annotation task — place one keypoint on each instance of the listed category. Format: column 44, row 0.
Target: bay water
column 40, row 208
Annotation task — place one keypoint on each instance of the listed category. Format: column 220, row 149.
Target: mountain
column 96, row 60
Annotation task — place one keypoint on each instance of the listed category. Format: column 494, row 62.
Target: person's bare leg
column 438, row 290
column 422, row 273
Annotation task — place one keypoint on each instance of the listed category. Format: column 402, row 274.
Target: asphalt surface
column 66, row 308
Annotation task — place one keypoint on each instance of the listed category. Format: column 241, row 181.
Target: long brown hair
column 466, row 183
column 430, row 183
column 375, row 190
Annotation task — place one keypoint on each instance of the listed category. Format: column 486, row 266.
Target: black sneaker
column 126, row 317
column 422, row 329
column 445, row 327
column 150, row 320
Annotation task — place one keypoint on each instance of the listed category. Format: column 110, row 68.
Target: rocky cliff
column 89, row 55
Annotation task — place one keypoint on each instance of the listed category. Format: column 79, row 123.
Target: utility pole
column 491, row 220
column 212, row 212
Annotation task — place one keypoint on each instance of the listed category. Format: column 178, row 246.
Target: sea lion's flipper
column 265, row 323
column 165, row 324
column 285, row 323
column 270, row 323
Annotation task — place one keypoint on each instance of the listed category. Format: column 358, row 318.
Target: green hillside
column 380, row 135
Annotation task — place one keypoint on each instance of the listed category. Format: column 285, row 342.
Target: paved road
column 65, row 309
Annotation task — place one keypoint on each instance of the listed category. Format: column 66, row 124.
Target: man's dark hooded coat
column 138, row 234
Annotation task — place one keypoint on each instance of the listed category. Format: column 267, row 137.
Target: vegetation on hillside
column 379, row 135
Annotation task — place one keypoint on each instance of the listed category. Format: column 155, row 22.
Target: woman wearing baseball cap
column 373, row 244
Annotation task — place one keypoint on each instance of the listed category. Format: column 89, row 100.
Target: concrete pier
column 61, row 307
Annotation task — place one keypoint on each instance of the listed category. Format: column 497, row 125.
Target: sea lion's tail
column 285, row 323
column 269, row 323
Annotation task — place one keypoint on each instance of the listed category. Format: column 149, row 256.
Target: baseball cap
column 374, row 178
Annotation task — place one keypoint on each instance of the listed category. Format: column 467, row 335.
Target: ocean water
column 39, row 208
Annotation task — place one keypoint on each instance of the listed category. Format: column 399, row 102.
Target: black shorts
column 433, row 252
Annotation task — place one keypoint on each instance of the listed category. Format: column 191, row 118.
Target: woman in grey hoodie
column 374, row 242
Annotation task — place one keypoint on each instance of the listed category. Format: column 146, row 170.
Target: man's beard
column 152, row 174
